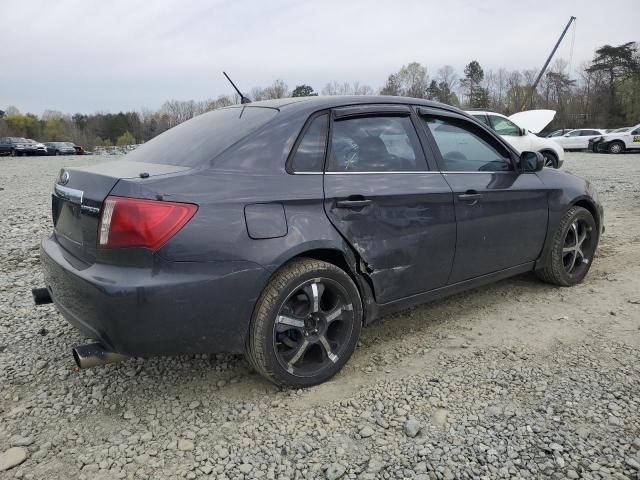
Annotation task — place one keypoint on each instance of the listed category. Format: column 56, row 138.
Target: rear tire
column 572, row 250
column 616, row 147
column 306, row 324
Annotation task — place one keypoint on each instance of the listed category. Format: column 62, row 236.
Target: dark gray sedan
column 280, row 228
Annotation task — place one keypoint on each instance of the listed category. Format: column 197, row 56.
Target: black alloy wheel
column 306, row 324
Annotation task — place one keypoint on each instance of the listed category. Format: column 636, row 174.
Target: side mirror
column 531, row 162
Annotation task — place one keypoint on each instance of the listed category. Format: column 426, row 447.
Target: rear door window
column 197, row 141
column 375, row 144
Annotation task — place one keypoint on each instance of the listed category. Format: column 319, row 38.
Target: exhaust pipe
column 41, row 296
column 94, row 354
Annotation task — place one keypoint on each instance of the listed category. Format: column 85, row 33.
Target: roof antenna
column 243, row 99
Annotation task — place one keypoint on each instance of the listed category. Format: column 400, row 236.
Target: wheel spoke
column 325, row 343
column 582, row 237
column 566, row 250
column 314, row 293
column 335, row 313
column 299, row 353
column 574, row 257
column 574, row 229
column 285, row 323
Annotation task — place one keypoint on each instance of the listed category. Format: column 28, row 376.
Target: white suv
column 578, row 139
column 519, row 130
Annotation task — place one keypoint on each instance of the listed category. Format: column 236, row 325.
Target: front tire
column 616, row 147
column 306, row 324
column 572, row 250
column 550, row 159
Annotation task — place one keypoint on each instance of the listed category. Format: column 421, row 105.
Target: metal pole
column 546, row 64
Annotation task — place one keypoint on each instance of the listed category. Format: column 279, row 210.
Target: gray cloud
column 89, row 55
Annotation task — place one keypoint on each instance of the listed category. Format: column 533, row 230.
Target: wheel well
column 334, row 257
column 363, row 283
column 546, row 150
column 591, row 208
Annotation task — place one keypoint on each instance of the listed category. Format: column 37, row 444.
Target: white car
column 519, row 130
column 617, row 142
column 578, row 139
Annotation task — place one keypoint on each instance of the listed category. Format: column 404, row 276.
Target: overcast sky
column 95, row 55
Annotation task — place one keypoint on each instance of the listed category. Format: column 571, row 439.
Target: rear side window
column 197, row 141
column 375, row 144
column 309, row 155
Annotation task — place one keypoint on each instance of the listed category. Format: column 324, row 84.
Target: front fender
column 565, row 191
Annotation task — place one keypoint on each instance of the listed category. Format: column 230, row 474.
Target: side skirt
column 408, row 302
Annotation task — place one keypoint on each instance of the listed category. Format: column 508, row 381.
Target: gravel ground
column 515, row 380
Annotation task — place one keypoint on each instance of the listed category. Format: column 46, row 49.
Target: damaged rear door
column 386, row 202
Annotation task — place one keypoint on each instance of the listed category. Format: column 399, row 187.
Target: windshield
column 197, row 141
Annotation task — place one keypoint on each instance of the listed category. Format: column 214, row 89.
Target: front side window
column 504, row 126
column 309, row 156
column 375, row 144
column 464, row 148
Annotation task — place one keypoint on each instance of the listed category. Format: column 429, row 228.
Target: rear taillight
column 133, row 222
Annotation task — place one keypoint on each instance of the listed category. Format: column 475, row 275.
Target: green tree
column 392, row 87
column 473, row 77
column 125, row 139
column 103, row 142
column 303, row 91
column 617, row 65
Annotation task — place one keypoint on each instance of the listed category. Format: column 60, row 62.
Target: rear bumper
column 168, row 309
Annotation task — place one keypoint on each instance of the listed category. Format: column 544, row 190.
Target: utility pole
column 529, row 99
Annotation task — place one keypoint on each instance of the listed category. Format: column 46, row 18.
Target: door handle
column 470, row 196
column 353, row 203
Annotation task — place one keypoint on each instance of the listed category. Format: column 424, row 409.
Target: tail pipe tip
column 94, row 354
column 41, row 296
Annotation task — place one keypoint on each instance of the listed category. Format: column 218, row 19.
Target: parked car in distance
column 520, row 133
column 79, row 150
column 60, row 148
column 578, row 139
column 17, row 146
column 289, row 224
column 617, row 142
column 616, row 130
column 558, row 133
column 40, row 148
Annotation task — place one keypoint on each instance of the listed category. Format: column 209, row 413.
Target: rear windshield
column 197, row 141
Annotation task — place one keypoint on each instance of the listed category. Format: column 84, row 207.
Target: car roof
column 333, row 101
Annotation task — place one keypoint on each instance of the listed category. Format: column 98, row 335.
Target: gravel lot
column 518, row 379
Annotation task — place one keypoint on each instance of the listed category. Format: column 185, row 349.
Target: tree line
column 601, row 93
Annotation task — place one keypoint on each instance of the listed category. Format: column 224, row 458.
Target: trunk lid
column 77, row 198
